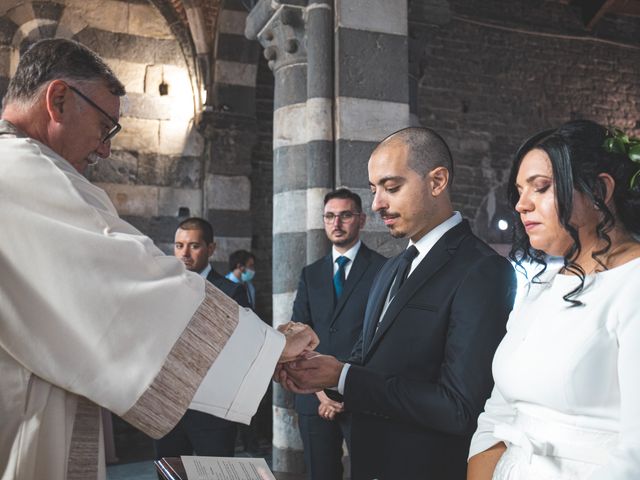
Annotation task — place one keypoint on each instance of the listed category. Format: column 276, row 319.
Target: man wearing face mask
column 242, row 269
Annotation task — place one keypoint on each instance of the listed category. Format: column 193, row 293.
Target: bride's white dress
column 567, row 395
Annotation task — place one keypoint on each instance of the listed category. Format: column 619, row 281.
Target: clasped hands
column 302, row 370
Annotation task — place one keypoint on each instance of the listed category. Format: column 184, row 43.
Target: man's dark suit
column 236, row 291
column 197, row 431
column 424, row 375
column 338, row 326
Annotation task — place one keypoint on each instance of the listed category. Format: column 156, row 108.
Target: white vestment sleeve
column 237, row 380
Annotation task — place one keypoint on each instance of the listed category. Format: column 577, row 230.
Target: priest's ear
column 55, row 97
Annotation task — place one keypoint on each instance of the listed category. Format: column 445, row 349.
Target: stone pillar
column 320, row 147
column 372, row 94
column 280, row 30
column 341, row 85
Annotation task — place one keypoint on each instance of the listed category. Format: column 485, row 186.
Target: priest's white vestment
column 93, row 314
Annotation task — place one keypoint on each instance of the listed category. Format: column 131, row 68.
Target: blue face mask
column 247, row 275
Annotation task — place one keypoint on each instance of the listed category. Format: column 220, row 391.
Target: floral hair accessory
column 619, row 142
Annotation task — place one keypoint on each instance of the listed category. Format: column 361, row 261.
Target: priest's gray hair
column 57, row 59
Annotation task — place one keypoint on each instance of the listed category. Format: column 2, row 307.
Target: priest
column 93, row 314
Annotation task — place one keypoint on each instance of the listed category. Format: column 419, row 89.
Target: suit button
column 333, row 330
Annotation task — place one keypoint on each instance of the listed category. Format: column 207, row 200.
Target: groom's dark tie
column 404, row 266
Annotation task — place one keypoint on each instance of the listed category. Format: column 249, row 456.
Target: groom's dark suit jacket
column 423, row 376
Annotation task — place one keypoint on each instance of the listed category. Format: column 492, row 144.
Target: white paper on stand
column 226, row 468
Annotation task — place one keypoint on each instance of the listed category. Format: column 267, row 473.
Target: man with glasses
column 331, row 298
column 92, row 313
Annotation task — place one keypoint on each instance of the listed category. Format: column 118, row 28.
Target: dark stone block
column 47, row 31
column 132, row 48
column 230, row 223
column 320, row 164
column 373, row 65
column 230, row 152
column 121, row 168
column 237, row 48
column 317, row 243
column 159, row 229
column 4, row 84
column 7, row 31
column 50, row 11
column 235, row 99
column 236, row 5
column 173, row 171
column 145, row 106
column 291, row 86
column 289, row 256
column 383, row 243
column 290, row 168
column 320, row 53
column 351, row 165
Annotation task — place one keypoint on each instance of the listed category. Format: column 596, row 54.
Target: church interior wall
column 494, row 73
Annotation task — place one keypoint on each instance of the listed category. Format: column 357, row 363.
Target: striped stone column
column 372, row 94
column 280, row 30
column 336, row 95
column 319, row 121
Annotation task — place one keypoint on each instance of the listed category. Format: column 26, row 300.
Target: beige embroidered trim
column 168, row 397
column 83, row 452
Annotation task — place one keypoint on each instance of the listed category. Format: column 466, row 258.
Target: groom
column 420, row 375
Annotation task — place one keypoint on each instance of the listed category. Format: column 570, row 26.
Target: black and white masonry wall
column 341, row 85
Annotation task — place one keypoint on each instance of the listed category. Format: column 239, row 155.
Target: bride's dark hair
column 577, row 158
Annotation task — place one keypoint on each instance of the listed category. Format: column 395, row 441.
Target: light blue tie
column 338, row 278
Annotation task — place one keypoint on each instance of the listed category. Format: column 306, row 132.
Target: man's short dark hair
column 427, row 149
column 197, row 223
column 240, row 257
column 346, row 194
column 58, row 58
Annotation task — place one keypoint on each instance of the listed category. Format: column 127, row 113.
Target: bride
column 566, row 402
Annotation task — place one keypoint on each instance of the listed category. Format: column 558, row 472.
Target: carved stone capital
column 282, row 34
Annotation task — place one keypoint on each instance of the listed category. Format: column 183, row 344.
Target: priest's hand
column 312, row 373
column 300, row 339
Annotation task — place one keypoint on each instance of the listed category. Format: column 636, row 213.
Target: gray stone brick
column 289, row 256
column 230, row 223
column 166, row 170
column 351, row 168
column 237, row 48
column 132, row 48
column 372, row 65
column 159, row 229
column 121, row 167
column 291, row 86
column 320, row 171
column 290, row 167
column 7, row 31
column 50, row 11
column 4, row 84
column 141, row 105
column 235, row 99
column 230, row 151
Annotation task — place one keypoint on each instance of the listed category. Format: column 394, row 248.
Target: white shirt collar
column 350, row 254
column 426, row 243
column 205, row 273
